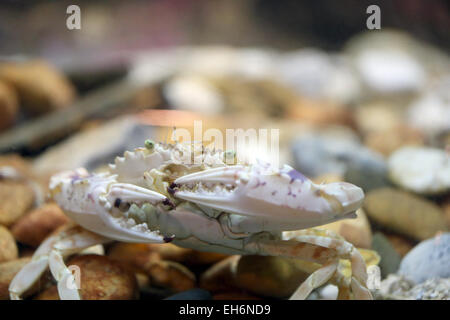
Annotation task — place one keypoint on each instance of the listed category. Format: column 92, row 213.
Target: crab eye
column 149, row 144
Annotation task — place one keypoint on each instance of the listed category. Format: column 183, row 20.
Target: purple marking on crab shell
column 295, row 175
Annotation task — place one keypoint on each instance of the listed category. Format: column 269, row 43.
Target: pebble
column 429, row 259
column 171, row 275
column 338, row 149
column 405, row 213
column 17, row 198
column 34, row 227
column 193, row 93
column 7, row 272
column 319, row 75
column 386, row 142
column 41, row 87
column 420, row 169
column 9, row 106
column 101, row 279
column 390, row 259
column 192, row 294
column 8, row 247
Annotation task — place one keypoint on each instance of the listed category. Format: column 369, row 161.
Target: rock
column 420, row 169
column 430, row 112
column 390, row 259
column 193, row 93
column 137, row 256
column 367, row 176
column 400, row 244
column 338, row 149
column 41, row 88
column 319, row 113
column 16, row 199
column 7, row 272
column 356, row 231
column 101, row 279
column 377, row 117
column 220, row 276
column 269, row 276
column 319, row 75
column 446, row 208
column 396, row 287
column 429, row 259
column 94, row 147
column 386, row 142
column 18, row 163
column 405, row 213
column 9, row 106
column 171, row 275
column 388, row 62
column 35, row 226
column 193, row 294
column 8, row 247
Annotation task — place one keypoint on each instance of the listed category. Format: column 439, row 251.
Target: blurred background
column 371, row 107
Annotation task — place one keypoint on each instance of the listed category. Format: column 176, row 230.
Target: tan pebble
column 400, row 244
column 8, row 246
column 204, row 258
column 220, row 276
column 101, row 279
column 377, row 117
column 356, row 231
column 41, row 87
column 137, row 255
column 405, row 213
column 7, row 272
column 172, row 275
column 20, row 164
column 390, row 140
column 143, row 280
column 9, row 106
column 15, row 199
column 269, row 276
column 320, row 113
column 35, row 226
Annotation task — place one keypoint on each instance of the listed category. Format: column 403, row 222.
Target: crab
column 203, row 199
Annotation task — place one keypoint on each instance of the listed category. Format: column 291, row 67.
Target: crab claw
column 261, row 191
column 98, row 203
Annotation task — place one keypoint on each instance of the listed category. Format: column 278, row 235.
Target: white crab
column 201, row 199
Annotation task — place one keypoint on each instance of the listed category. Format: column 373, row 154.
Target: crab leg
column 51, row 254
column 321, row 247
column 315, row 280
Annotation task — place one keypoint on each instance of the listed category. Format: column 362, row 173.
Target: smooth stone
column 319, row 75
column 193, row 93
column 405, row 213
column 193, row 294
column 334, row 151
column 420, row 169
column 367, row 177
column 430, row 112
column 94, row 147
column 390, row 259
column 429, row 259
